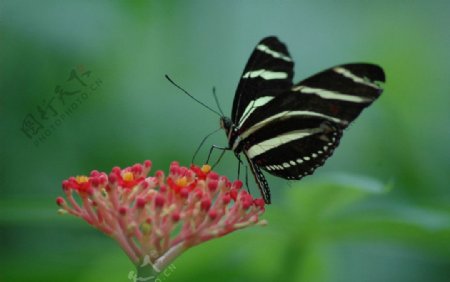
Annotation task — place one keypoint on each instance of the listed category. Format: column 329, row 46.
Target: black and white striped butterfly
column 290, row 129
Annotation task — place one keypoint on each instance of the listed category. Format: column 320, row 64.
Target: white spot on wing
column 263, row 73
column 278, row 55
column 332, row 95
column 346, row 73
column 279, row 140
column 285, row 114
column 261, row 101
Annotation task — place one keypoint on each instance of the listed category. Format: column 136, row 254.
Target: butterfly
column 289, row 130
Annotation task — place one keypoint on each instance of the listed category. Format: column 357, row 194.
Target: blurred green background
column 379, row 210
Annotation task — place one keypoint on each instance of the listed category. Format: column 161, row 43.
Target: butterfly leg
column 201, row 144
column 223, row 149
column 246, row 176
column 240, row 162
column 246, row 179
column 239, row 165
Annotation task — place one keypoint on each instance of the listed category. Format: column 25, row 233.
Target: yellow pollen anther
column 146, row 228
column 206, row 168
column 128, row 176
column 81, row 179
column 182, row 181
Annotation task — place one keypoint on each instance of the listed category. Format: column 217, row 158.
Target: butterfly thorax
column 231, row 132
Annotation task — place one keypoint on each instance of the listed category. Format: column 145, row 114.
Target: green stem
column 149, row 272
column 169, row 256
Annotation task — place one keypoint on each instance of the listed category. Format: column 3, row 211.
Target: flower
column 156, row 218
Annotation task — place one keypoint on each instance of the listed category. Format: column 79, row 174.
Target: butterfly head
column 226, row 124
column 230, row 130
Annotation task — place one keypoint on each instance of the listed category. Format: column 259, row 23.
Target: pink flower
column 156, row 218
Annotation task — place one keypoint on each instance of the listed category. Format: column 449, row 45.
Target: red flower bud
column 137, row 169
column 112, row 178
column 237, row 184
column 140, row 202
column 213, row 176
column 95, row 181
column 60, row 201
column 259, row 203
column 66, row 185
column 205, row 204
column 123, row 210
column 116, row 170
column 175, row 216
column 163, row 188
column 233, row 194
column 212, row 185
column 159, row 201
column 212, row 214
column 184, row 193
column 226, row 199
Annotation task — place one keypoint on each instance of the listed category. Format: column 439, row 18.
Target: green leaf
column 313, row 202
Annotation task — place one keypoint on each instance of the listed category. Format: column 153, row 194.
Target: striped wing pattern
column 268, row 72
column 290, row 130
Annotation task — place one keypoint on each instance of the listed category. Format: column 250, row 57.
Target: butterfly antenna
column 217, row 101
column 187, row 93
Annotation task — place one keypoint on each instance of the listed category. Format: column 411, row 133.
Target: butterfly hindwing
column 298, row 152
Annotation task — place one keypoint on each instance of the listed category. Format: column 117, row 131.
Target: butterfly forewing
column 268, row 72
